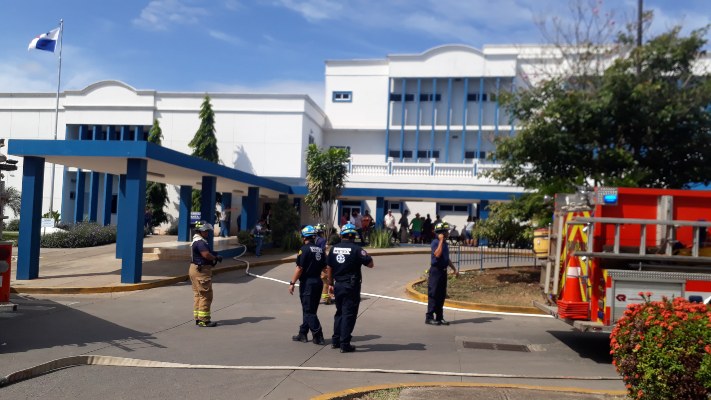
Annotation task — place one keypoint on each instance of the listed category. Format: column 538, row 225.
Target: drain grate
column 496, row 346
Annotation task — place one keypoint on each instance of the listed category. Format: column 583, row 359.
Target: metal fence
column 467, row 256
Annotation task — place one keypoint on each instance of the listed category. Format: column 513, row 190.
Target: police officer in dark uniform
column 437, row 279
column 344, row 276
column 201, row 263
column 310, row 262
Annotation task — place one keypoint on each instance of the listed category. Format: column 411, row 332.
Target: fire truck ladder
column 666, row 244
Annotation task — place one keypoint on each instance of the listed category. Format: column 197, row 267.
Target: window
column 394, row 206
column 342, row 97
column 427, row 154
column 311, row 139
column 430, row 96
column 475, row 97
column 398, row 97
column 470, row 154
column 453, row 208
column 396, row 153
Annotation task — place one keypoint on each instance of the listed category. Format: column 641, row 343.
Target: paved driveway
column 257, row 318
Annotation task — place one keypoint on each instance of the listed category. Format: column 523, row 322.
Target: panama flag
column 45, row 41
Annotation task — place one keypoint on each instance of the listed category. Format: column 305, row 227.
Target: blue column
column 79, row 197
column 379, row 211
column 481, row 111
column 93, row 196
column 125, row 132
column 511, row 116
column 138, row 133
column 227, row 204
column 482, row 213
column 402, row 118
column 434, row 114
column 387, row 124
column 132, row 245
column 208, row 199
column 449, row 119
column 120, row 211
column 464, row 118
column 496, row 110
column 186, row 204
column 95, row 132
column 108, row 198
column 30, row 216
column 250, row 208
column 417, row 118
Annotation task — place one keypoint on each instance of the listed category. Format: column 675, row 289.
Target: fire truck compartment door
column 625, row 291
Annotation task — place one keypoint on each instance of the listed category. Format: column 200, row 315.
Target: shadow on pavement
column 243, row 320
column 481, row 320
column 593, row 346
column 61, row 325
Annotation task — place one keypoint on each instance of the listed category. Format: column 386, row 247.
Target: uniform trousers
column 310, row 294
column 202, row 290
column 436, row 293
column 347, row 303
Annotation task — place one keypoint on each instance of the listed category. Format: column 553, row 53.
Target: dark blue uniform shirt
column 312, row 261
column 198, row 246
column 443, row 260
column 345, row 260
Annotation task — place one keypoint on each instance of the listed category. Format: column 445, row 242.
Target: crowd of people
column 421, row 229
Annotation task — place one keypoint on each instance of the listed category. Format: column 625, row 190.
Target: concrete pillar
column 250, row 208
column 79, row 197
column 186, row 204
column 379, row 211
column 132, row 217
column 108, row 198
column 93, row 196
column 30, row 217
column 120, row 224
column 208, row 200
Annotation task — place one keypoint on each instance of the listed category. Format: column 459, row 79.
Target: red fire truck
column 609, row 244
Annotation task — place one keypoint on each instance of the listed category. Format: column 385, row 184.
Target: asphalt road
column 257, row 318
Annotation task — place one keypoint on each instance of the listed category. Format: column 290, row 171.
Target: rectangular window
column 394, row 206
column 430, row 96
column 396, row 153
column 470, row 154
column 409, row 97
column 475, row 97
column 395, row 97
column 461, row 208
column 342, row 97
column 446, row 207
column 427, row 154
column 453, row 208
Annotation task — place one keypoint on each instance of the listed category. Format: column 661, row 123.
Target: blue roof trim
column 133, row 149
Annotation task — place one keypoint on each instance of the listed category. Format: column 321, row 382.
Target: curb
column 415, row 295
column 366, row 389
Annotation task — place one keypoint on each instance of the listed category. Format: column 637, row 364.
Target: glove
column 218, row 258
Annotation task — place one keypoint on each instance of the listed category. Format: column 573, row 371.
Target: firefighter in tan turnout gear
column 202, row 262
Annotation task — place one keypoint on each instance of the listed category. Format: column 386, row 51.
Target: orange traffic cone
column 571, row 304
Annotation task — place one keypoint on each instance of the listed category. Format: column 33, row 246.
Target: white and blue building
column 418, row 128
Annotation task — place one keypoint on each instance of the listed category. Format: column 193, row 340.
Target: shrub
column 380, row 238
column 85, row 234
column 291, row 242
column 284, row 221
column 13, row 225
column 243, row 237
column 662, row 349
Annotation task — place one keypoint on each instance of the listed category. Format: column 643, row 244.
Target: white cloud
column 315, row 10
column 225, row 37
column 159, row 15
column 315, row 90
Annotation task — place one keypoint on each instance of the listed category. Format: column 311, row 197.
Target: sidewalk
column 165, row 262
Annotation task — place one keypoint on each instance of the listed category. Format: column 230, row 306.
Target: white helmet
column 202, row 226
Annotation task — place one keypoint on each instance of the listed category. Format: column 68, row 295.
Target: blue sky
column 266, row 46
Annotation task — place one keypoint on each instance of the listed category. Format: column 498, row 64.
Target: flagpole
column 56, row 112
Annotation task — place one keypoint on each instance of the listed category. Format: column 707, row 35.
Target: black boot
column 301, row 337
column 318, row 339
column 347, row 348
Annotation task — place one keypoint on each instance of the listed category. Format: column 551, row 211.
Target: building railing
column 431, row 168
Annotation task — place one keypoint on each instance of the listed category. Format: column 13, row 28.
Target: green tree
column 13, row 200
column 157, row 193
column 204, row 143
column 284, row 221
column 325, row 178
column 644, row 122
